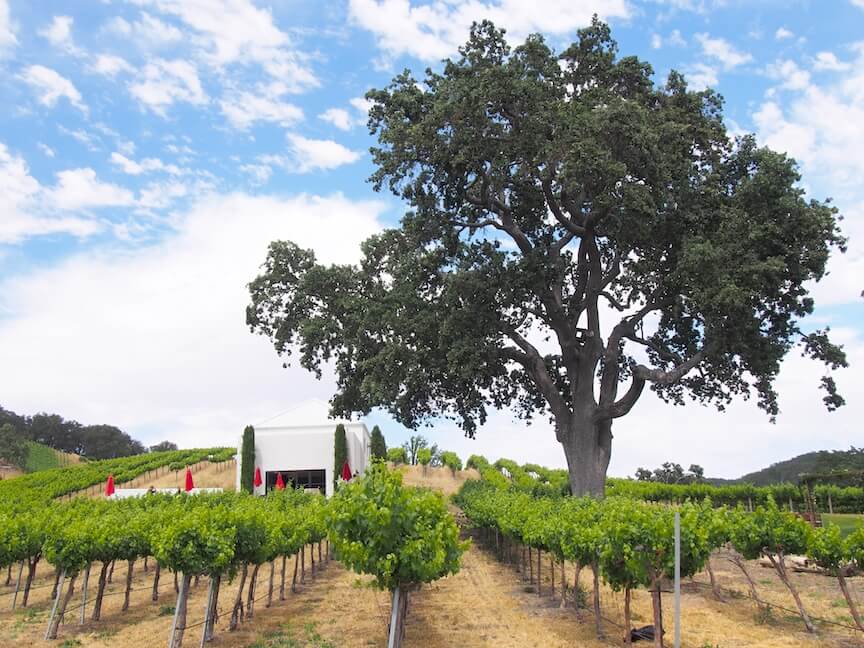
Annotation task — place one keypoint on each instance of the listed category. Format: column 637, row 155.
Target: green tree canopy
column 563, row 194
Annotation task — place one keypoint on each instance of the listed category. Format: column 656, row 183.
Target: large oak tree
column 575, row 233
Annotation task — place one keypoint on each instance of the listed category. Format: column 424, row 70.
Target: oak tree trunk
column 588, row 448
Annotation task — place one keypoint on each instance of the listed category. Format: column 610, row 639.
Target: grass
column 285, row 638
column 847, row 522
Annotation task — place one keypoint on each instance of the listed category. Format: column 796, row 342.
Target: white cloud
column 346, row 120
column 50, row 87
column 162, row 83
column 146, row 165
column 59, row 32
column 858, row 3
column 822, row 127
column 110, row 65
column 227, row 32
column 314, row 154
column 828, row 61
column 80, row 189
column 7, row 30
column 339, row 117
column 259, row 173
column 47, row 150
column 432, row 31
column 782, row 33
column 656, row 41
column 243, row 108
column 675, row 38
column 701, row 75
column 197, row 375
column 155, row 31
column 22, row 211
column 159, row 195
column 791, row 76
column 722, row 50
column 80, row 136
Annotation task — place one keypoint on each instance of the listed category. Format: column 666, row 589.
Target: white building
column 300, row 445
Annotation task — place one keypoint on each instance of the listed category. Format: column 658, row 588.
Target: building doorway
column 298, row 479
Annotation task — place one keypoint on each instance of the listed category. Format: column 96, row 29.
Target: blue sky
column 149, row 150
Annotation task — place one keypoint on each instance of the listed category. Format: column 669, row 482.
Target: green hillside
column 821, row 461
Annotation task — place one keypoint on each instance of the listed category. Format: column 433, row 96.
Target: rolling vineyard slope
column 628, row 541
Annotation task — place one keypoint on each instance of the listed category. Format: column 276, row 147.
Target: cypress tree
column 377, row 444
column 340, row 446
column 247, row 460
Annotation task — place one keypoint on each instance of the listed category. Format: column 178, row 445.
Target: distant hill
column 810, row 462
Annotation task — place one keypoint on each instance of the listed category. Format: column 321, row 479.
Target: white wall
column 306, row 448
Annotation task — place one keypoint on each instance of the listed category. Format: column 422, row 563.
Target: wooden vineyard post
column 178, row 626
column 597, row 620
column 17, row 583
column 539, row 580
column 84, row 594
column 270, row 584
column 552, row 573
column 628, row 636
column 282, row 585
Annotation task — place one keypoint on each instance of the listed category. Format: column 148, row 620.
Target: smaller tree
column 164, row 446
column 377, row 444
column 404, row 537
column 340, row 451
column 424, row 456
column 247, row 460
column 413, row 446
column 672, row 473
column 13, row 447
column 452, row 461
column 397, row 455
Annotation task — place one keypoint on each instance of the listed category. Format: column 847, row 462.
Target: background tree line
column 91, row 441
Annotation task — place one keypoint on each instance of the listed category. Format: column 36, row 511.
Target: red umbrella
column 280, row 485
column 109, row 487
column 189, row 484
column 346, row 472
column 257, row 481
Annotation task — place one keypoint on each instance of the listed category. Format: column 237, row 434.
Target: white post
column 677, row 579
column 394, row 615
